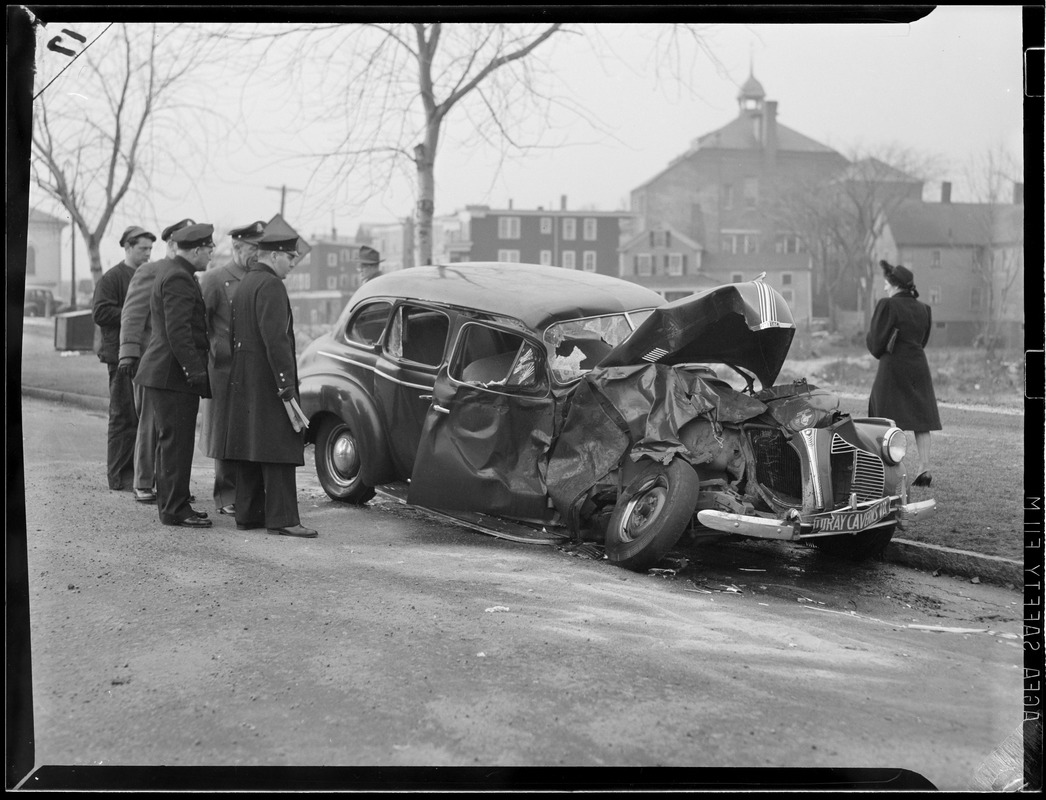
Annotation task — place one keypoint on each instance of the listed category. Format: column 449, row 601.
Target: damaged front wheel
column 651, row 514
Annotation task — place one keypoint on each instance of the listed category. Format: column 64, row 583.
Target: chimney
column 770, row 132
column 510, row 204
column 946, row 191
column 562, row 202
column 1018, row 193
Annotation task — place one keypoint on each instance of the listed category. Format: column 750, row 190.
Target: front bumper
column 854, row 518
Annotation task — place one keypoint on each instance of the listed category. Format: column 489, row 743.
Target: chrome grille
column 868, row 476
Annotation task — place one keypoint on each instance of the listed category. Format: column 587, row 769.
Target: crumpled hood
column 748, row 325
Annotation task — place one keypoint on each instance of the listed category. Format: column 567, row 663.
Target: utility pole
column 283, row 194
column 72, row 251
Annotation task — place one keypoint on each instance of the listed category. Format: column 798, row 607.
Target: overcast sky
column 949, row 85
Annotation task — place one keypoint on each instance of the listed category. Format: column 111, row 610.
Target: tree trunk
column 424, row 159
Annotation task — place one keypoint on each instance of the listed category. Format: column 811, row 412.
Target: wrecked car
column 589, row 406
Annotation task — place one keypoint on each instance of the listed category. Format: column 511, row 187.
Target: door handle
column 424, row 396
column 440, row 409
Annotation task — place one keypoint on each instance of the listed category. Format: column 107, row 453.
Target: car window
column 576, row 346
column 368, row 323
column 418, row 334
column 495, row 358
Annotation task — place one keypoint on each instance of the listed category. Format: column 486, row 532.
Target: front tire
column 339, row 463
column 651, row 514
column 856, row 546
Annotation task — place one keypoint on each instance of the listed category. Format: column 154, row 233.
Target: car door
column 404, row 374
column 486, row 436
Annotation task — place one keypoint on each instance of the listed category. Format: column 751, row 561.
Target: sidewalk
column 80, row 380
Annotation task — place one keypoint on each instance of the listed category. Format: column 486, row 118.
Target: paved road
column 394, row 640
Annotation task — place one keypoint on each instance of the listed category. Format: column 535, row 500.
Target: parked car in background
column 580, row 403
column 41, row 302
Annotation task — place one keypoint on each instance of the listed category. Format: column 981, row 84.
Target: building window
column 508, row 256
column 30, row 260
column 569, row 228
column 643, row 264
column 976, row 298
column 589, row 229
column 728, row 243
column 546, row 257
column 332, row 259
column 676, row 262
column 569, row 259
column 786, row 278
column 727, row 195
column 332, row 281
column 508, row 227
column 788, row 296
column 736, row 277
column 751, row 192
column 935, row 258
column 546, row 224
column 588, row 261
column 751, row 243
column 935, row 295
column 788, row 243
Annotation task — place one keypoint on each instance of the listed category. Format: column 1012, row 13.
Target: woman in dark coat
column 903, row 388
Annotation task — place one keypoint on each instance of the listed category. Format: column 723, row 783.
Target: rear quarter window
column 367, row 325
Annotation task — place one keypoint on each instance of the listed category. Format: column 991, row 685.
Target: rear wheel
column 651, row 514
column 339, row 463
column 856, row 546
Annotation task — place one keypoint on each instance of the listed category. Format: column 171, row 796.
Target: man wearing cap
column 109, row 297
column 368, row 264
column 173, row 370
column 260, row 436
column 135, row 332
column 218, row 286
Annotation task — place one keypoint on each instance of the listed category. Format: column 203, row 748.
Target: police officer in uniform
column 260, row 436
column 173, row 371
column 219, row 286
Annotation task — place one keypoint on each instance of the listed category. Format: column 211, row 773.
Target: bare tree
column 401, row 89
column 92, row 145
column 998, row 219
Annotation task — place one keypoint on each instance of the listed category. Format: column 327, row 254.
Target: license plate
column 851, row 521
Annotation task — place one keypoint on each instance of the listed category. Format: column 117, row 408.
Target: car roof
column 536, row 295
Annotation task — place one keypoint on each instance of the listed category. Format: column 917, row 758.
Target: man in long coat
column 219, row 286
column 135, row 332
column 173, row 371
column 263, row 388
column 109, row 297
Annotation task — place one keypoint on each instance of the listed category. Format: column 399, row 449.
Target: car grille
column 777, row 465
column 855, row 472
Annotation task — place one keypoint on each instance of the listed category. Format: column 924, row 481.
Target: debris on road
column 664, row 573
column 944, row 629
column 495, row 609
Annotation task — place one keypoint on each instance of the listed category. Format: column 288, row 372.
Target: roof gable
column 915, row 223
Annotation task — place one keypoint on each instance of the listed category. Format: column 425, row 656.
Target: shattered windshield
column 578, row 345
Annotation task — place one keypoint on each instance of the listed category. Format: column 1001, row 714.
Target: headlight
column 895, row 445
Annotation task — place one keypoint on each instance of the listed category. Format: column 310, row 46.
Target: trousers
column 266, row 493
column 224, row 482
column 123, row 431
column 175, row 418
column 145, row 443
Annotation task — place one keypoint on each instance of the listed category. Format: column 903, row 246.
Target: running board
column 483, row 523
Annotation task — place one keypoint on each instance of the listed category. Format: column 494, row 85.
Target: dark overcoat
column 903, row 388
column 218, row 285
column 263, row 365
column 178, row 341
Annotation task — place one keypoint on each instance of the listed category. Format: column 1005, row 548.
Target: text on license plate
column 851, row 521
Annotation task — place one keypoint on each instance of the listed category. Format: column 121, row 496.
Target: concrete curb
column 990, row 569
column 906, row 553
column 90, row 402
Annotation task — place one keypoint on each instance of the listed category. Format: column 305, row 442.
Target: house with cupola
column 707, row 219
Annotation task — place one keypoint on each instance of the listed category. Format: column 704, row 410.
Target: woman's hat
column 897, row 275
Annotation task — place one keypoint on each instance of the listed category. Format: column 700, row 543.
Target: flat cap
column 133, row 232
column 249, row 233
column 166, row 235
column 198, row 235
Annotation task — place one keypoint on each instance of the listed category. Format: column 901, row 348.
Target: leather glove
column 128, row 366
column 197, row 381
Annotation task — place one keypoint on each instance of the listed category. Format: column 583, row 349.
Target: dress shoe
column 295, row 530
column 145, row 495
column 229, row 509
column 924, row 479
column 194, row 513
column 192, row 522
column 250, row 526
